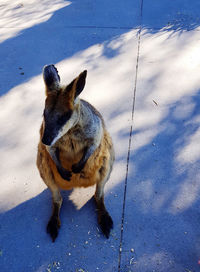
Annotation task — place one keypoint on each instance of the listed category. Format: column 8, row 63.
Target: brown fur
column 91, row 173
column 98, row 165
column 63, row 99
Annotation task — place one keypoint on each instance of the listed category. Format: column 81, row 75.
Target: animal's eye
column 64, row 118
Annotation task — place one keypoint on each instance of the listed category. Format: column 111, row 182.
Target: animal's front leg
column 54, row 153
column 88, row 151
column 65, row 174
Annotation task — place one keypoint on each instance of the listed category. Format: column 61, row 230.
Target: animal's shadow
column 26, row 246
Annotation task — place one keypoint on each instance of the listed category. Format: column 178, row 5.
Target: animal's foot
column 106, row 223
column 53, row 227
column 65, row 174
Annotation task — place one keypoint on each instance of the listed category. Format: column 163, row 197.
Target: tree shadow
column 161, row 216
column 69, row 30
column 176, row 16
column 162, row 203
column 64, row 33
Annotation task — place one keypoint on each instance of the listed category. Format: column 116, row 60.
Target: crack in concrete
column 130, row 138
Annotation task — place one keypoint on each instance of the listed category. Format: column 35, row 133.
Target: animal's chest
column 70, row 150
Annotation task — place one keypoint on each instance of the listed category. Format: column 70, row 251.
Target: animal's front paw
column 76, row 168
column 65, row 174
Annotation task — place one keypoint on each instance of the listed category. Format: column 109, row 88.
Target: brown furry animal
column 75, row 149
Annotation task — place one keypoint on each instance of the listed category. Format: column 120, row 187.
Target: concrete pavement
column 143, row 66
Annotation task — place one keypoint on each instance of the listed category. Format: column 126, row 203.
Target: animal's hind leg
column 54, row 222
column 104, row 219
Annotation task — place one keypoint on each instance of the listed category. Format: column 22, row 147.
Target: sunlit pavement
column 143, row 62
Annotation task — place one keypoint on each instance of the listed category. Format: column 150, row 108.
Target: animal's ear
column 80, row 84
column 51, row 78
column 77, row 85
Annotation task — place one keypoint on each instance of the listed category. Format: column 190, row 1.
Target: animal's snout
column 48, row 138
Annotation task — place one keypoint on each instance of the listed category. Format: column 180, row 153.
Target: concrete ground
column 143, row 62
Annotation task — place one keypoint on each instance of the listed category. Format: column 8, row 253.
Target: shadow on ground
column 161, row 223
column 69, row 30
column 25, row 245
column 162, row 204
column 63, row 34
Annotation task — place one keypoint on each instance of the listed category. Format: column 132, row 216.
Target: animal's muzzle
column 48, row 138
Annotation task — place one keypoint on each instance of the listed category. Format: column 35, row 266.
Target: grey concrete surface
column 143, row 66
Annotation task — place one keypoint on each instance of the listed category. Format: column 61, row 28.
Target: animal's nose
column 46, row 141
column 47, row 138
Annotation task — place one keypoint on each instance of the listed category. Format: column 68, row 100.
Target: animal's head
column 61, row 111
